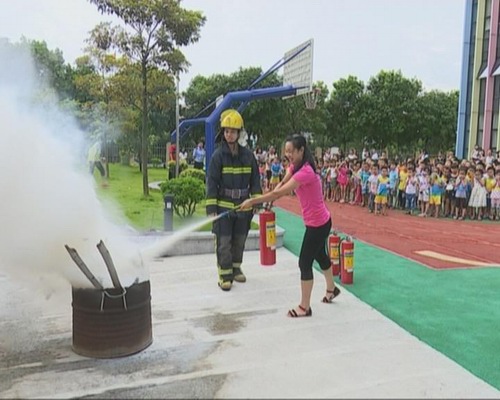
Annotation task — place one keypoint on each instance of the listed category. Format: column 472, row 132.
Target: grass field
column 124, row 195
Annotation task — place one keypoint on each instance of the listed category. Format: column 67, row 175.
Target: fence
column 157, row 154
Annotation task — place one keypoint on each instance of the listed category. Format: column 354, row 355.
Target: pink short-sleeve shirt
column 310, row 194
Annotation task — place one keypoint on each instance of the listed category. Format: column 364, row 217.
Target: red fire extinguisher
column 267, row 240
column 347, row 261
column 334, row 252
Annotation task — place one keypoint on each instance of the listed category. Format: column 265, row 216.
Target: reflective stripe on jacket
column 228, row 171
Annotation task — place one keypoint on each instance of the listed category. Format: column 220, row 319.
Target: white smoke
column 47, row 197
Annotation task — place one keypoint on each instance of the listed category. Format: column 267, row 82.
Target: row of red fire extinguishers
column 340, row 250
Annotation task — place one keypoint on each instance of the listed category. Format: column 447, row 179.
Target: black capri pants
column 314, row 248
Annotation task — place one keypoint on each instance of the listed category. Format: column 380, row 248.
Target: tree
column 51, row 66
column 104, row 65
column 344, row 108
column 317, row 119
column 157, row 29
column 202, row 91
column 270, row 119
column 390, row 109
column 437, row 120
column 85, row 81
column 296, row 118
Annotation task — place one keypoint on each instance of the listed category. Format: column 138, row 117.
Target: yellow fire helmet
column 231, row 119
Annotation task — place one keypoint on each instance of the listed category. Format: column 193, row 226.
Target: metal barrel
column 112, row 323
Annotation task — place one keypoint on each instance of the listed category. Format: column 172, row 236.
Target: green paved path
column 457, row 312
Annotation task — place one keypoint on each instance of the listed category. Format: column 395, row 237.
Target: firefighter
column 232, row 177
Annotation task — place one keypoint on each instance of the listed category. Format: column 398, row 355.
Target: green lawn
column 124, row 194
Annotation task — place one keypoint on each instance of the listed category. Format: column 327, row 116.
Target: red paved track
column 404, row 234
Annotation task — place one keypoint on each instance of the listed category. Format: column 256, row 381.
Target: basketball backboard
column 298, row 70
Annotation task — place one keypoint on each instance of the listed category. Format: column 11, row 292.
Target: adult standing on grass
column 302, row 178
column 232, row 177
column 199, row 156
column 94, row 159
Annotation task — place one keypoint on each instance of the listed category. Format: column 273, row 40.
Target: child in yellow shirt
column 403, row 177
column 382, row 195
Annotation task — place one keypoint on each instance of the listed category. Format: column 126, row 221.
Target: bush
column 171, row 168
column 193, row 172
column 157, row 163
column 187, row 191
column 124, row 158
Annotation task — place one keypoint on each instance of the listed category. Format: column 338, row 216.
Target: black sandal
column 334, row 293
column 293, row 314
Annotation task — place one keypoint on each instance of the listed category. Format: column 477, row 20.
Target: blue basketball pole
column 212, row 121
column 243, row 97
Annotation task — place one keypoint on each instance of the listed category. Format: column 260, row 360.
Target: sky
column 422, row 38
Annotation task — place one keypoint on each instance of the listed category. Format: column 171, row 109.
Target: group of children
column 358, row 183
column 271, row 167
column 425, row 187
column 459, row 190
column 451, row 189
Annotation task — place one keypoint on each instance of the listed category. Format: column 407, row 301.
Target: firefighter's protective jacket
column 231, row 179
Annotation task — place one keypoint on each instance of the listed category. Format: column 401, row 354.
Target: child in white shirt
column 411, row 192
column 372, row 184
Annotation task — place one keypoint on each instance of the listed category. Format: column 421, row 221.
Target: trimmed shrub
column 187, row 191
column 156, row 162
column 171, row 168
column 193, row 172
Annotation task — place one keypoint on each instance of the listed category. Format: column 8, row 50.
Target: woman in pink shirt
column 302, row 178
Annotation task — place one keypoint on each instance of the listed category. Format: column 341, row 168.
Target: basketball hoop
column 311, row 98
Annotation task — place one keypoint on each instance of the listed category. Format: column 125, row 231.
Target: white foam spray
column 162, row 245
column 47, row 197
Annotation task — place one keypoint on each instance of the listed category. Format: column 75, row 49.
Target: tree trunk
column 106, row 144
column 144, row 132
column 344, row 141
column 106, row 154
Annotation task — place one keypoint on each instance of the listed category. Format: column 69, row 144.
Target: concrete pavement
column 239, row 344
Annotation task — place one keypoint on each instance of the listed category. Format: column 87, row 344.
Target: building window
column 494, row 136
column 480, row 135
column 480, row 122
column 486, row 37
column 496, row 110
column 497, row 56
column 497, row 59
column 470, row 78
